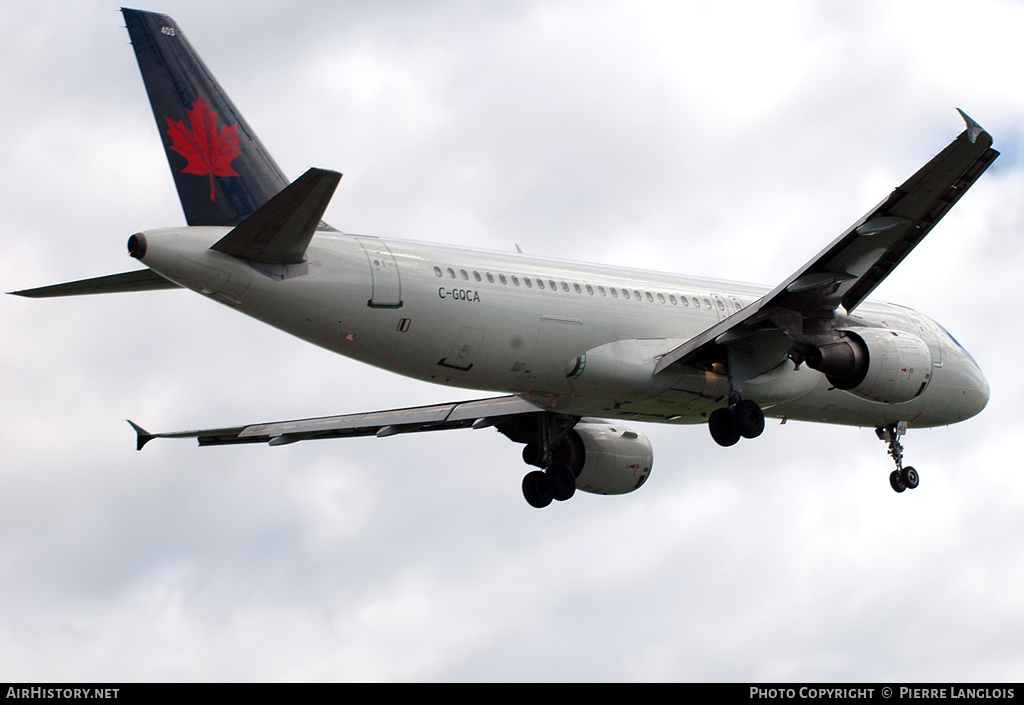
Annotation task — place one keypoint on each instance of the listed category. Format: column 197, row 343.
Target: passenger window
column 464, row 275
column 437, row 271
column 615, row 293
column 490, row 277
column 650, row 299
column 476, row 275
column 672, row 299
column 590, row 290
column 451, row 272
column 503, row 279
column 600, row 290
column 707, row 304
column 721, row 306
column 661, row 298
column 577, row 288
column 636, row 294
column 515, row 280
column 540, row 283
column 554, row 287
column 625, row 294
column 696, row 302
column 565, row 287
column 528, row 282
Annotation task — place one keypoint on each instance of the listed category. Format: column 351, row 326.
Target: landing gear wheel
column 896, row 481
column 902, row 478
column 562, row 482
column 910, row 478
column 537, row 489
column 532, row 455
column 722, row 424
column 749, row 418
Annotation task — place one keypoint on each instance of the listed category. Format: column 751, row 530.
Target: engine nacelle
column 607, row 458
column 876, row 364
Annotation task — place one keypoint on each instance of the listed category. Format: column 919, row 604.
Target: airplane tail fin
column 221, row 170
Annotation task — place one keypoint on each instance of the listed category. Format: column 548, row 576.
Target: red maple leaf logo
column 207, row 150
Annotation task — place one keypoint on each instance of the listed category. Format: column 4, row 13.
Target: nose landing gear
column 902, row 478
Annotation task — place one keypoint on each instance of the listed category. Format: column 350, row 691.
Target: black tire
column 722, row 425
column 896, row 482
column 749, row 418
column 531, row 455
column 910, row 478
column 562, row 482
column 536, row 489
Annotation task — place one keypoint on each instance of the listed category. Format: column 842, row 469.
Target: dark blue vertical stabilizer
column 222, row 171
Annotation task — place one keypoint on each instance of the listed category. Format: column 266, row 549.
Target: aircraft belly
column 826, row 404
column 687, row 397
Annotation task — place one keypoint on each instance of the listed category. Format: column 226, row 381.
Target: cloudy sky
column 726, row 139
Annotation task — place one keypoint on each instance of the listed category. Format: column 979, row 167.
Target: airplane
column 575, row 351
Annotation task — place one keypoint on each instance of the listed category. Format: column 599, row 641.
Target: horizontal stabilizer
column 280, row 230
column 141, row 280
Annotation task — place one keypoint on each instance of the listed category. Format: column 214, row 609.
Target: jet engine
column 876, row 364
column 606, row 458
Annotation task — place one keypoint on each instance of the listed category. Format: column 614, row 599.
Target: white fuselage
column 514, row 323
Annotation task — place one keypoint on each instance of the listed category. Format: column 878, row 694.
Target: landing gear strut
column 743, row 420
column 902, row 478
column 556, row 481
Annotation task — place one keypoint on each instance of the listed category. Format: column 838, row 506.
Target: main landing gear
column 902, row 478
column 556, row 480
column 743, row 420
column 540, row 487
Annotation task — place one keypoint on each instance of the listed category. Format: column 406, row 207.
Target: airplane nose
column 980, row 394
column 974, row 390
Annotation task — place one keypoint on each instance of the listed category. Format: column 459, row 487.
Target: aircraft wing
column 849, row 269
column 478, row 413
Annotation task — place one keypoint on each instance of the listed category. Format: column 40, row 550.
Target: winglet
column 973, row 128
column 280, row 230
column 142, row 435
